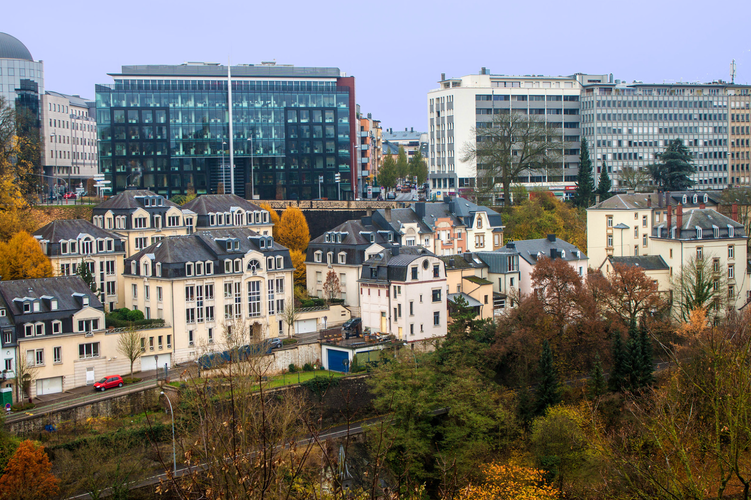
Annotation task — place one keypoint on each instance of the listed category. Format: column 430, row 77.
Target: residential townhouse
column 343, row 250
column 143, row 218
column 464, row 278
column 55, row 325
column 621, row 225
column 654, row 267
column 703, row 233
column 70, row 242
column 212, row 284
column 403, row 293
column 229, row 210
column 503, row 272
column 531, row 251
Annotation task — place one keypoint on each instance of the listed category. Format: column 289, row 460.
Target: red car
column 109, row 382
column 69, row 196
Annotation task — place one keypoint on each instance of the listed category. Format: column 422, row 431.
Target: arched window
column 254, row 266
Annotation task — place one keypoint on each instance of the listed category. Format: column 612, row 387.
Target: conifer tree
column 618, row 372
column 85, row 273
column 585, row 185
column 646, row 360
column 548, row 391
column 597, row 385
column 604, row 186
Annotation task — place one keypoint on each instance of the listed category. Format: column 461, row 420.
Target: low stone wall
column 126, row 404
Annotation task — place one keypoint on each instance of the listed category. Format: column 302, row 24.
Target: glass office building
column 167, row 129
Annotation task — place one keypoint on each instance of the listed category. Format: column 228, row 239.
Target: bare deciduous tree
column 633, row 178
column 25, row 374
column 289, row 315
column 129, row 345
column 332, row 286
column 510, row 145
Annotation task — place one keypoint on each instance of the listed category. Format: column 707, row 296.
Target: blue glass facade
column 171, row 135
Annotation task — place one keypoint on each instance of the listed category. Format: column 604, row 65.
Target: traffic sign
column 320, row 178
column 337, row 177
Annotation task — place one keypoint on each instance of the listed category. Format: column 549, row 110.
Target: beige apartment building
column 68, row 243
column 210, row 285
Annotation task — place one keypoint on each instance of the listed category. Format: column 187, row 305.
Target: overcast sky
column 396, row 50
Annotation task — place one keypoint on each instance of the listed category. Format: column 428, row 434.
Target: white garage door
column 149, row 363
column 52, row 385
column 305, row 326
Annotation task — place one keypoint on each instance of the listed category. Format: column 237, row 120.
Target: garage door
column 149, row 363
column 52, row 385
column 305, row 326
column 338, row 361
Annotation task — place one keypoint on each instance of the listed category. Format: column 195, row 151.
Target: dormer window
column 731, row 231
column 238, row 265
column 262, row 243
column 280, row 262
column 85, row 300
column 330, row 258
column 698, row 233
column 99, row 246
column 372, row 238
column 228, row 244
column 563, row 254
column 715, row 231
column 212, row 219
column 209, row 268
column 317, row 256
column 672, row 232
column 227, row 266
column 53, row 305
column 110, row 244
column 63, row 247
column 706, row 198
column 236, row 244
column 685, row 199
column 265, row 217
column 35, row 306
column 269, row 242
column 199, row 268
column 132, row 267
column 159, row 269
column 696, row 198
column 73, row 247
column 270, row 263
column 342, row 258
column 27, row 307
column 327, row 238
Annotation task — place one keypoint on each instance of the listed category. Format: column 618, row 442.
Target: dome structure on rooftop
column 12, row 48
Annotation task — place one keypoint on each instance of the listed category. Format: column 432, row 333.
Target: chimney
column 394, row 251
column 443, row 76
column 679, row 219
column 369, row 212
column 551, row 238
column 667, row 198
column 411, row 129
column 511, row 245
column 735, row 212
column 659, row 198
column 553, row 253
column 597, row 199
column 420, row 209
column 387, row 214
column 367, row 220
column 670, row 219
column 702, row 206
column 649, row 201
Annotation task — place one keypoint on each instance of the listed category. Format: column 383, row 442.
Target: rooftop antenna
column 732, row 71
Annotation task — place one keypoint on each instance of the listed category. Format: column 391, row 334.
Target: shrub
column 135, row 315
column 22, row 407
column 292, row 368
column 289, row 341
column 307, row 367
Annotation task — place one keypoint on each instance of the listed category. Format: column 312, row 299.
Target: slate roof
column 466, row 209
column 497, row 260
column 470, row 301
column 70, row 229
column 467, row 260
column 61, row 288
column 706, row 219
column 393, row 267
column 400, row 216
column 390, row 148
column 639, row 201
column 548, row 247
column 401, row 135
column 215, row 203
column 646, row 262
column 126, row 200
column 353, row 244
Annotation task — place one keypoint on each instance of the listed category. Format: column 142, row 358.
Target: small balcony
column 364, row 133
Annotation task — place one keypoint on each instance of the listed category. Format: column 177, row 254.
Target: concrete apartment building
column 143, row 218
column 626, row 125
column 370, row 140
column 70, row 142
column 210, row 284
column 412, row 141
column 69, row 243
column 403, row 293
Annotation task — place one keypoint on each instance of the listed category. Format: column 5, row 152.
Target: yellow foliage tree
column 507, row 482
column 22, row 258
column 274, row 215
column 298, row 261
column 293, row 230
column 27, row 475
column 13, row 208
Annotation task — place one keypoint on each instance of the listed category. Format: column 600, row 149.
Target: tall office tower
column 19, row 72
column 629, row 125
column 169, row 129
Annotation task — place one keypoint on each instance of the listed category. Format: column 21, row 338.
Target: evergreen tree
column 85, row 273
column 604, row 186
column 585, row 185
column 631, row 366
column 646, row 360
column 548, row 391
column 674, row 170
column 597, row 385
column 618, row 373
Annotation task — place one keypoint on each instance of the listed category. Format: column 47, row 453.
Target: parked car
column 69, row 196
column 352, row 328
column 109, row 382
column 276, row 343
column 391, row 196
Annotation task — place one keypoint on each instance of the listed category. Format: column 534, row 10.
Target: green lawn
column 279, row 380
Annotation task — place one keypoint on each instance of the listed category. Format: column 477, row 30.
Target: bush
column 312, row 302
column 289, row 341
column 292, row 368
column 307, row 367
column 135, row 315
column 22, row 407
column 130, row 380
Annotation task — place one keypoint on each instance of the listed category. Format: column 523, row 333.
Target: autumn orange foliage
column 274, row 216
column 510, row 482
column 27, row 475
column 22, row 258
column 293, row 230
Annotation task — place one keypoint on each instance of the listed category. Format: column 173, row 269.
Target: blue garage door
column 338, row 361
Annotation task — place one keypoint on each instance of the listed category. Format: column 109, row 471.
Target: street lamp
column 224, row 181
column 174, row 456
column 621, row 226
column 252, row 189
